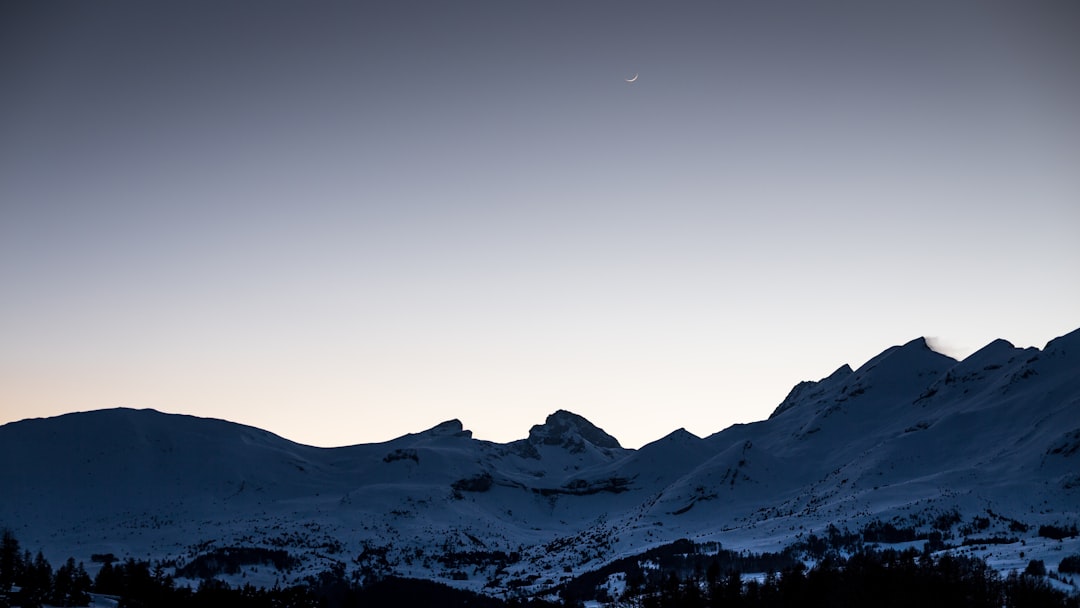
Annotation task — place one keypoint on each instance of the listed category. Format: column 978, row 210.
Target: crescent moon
column 631, row 79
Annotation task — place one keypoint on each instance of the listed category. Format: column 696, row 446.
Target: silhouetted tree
column 70, row 585
column 1036, row 567
column 36, row 582
column 1070, row 564
column 1033, row 592
column 108, row 580
column 11, row 563
column 733, row 590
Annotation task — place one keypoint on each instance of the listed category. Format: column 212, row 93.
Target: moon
column 631, row 79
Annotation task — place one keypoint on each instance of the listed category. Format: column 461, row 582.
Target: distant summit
column 809, row 389
column 566, row 428
column 896, row 375
column 450, row 428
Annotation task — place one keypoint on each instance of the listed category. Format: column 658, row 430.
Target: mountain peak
column 810, row 390
column 914, row 354
column 564, row 427
column 840, row 372
column 920, row 344
column 1062, row 344
column 895, row 370
column 450, row 428
column 993, row 353
column 680, row 434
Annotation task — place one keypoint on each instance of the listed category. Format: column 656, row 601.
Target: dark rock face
column 566, row 428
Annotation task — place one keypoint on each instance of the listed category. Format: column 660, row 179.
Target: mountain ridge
column 909, row 436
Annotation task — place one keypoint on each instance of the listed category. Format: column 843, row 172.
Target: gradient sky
column 346, row 221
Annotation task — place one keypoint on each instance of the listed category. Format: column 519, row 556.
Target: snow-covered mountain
column 989, row 445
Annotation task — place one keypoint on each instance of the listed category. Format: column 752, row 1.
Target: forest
column 678, row 575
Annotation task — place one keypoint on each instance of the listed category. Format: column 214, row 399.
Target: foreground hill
column 912, row 443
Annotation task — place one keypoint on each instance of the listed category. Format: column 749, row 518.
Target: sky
column 347, row 221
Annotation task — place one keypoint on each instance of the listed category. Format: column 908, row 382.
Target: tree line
column 680, row 577
column 882, row 578
column 35, row 579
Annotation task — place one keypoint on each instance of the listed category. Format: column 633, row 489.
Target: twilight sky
column 346, row 221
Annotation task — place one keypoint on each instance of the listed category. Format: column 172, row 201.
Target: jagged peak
column 979, row 368
column 991, row 353
column 919, row 342
column 562, row 427
column 1060, row 345
column 806, row 389
column 450, row 428
column 843, row 370
column 914, row 354
column 680, row 434
column 896, row 366
column 917, row 345
column 999, row 343
column 794, row 396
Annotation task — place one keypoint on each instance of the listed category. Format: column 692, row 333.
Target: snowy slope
column 907, row 437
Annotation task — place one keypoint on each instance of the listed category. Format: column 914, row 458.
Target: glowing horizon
column 346, row 223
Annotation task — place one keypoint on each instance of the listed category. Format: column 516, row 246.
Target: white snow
column 908, row 436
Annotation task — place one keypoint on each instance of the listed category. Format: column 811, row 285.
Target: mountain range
column 984, row 451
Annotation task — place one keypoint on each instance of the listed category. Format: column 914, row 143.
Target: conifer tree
column 11, row 563
column 70, row 585
column 36, row 582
